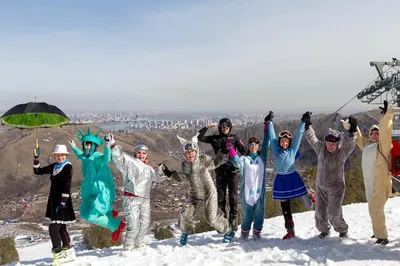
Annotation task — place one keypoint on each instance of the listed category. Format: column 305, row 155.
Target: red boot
column 114, row 213
column 116, row 233
column 289, row 235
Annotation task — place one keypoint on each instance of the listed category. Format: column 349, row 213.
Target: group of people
column 231, row 170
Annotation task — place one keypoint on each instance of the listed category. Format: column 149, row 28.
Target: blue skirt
column 288, row 186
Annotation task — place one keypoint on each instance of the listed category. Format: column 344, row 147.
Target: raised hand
column 72, row 143
column 384, row 108
column 109, row 140
column 306, row 118
column 346, row 124
column 269, row 117
column 353, row 124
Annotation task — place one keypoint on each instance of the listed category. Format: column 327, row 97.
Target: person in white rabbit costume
column 138, row 179
column 195, row 171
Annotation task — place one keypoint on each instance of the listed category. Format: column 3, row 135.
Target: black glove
column 306, row 118
column 165, row 169
column 353, row 124
column 384, row 108
column 269, row 117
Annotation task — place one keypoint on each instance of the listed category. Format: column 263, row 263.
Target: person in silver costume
column 195, row 171
column 138, row 179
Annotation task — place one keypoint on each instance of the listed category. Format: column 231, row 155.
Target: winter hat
column 60, row 149
column 333, row 136
column 140, row 147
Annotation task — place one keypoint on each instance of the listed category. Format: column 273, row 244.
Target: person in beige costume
column 376, row 173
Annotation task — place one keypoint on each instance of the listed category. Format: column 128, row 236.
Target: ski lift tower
column 385, row 87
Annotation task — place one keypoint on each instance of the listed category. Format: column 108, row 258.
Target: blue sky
column 193, row 55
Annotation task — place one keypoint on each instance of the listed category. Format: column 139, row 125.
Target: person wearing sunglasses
column 288, row 184
column 227, row 175
column 138, row 178
column 330, row 184
column 375, row 164
column 252, row 190
column 195, row 171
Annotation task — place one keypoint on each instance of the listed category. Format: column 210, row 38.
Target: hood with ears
column 372, row 128
column 193, row 141
column 337, row 134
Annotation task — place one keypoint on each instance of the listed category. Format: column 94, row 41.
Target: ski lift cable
column 344, row 105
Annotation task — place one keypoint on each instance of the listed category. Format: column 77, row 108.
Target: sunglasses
column 285, row 134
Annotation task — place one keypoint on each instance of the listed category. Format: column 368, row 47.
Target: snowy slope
column 207, row 249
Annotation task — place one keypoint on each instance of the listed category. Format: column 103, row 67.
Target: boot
column 290, row 230
column 343, row 235
column 244, row 234
column 323, row 235
column 117, row 233
column 382, row 241
column 228, row 237
column 256, row 234
column 183, row 239
column 69, row 252
column 58, row 256
column 233, row 223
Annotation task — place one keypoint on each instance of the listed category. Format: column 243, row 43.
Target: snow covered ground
column 207, row 249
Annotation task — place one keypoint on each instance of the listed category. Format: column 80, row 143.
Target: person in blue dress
column 288, row 183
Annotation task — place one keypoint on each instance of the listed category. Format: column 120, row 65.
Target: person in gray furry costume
column 330, row 183
column 195, row 171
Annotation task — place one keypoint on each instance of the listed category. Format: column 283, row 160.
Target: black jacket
column 217, row 142
column 60, row 184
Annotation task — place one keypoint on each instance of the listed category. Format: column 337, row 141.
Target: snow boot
column 244, row 234
column 382, row 241
column 344, row 235
column 183, row 239
column 256, row 234
column 323, row 235
column 58, row 256
column 117, row 233
column 69, row 253
column 228, row 237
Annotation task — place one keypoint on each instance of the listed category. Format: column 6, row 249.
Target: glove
column 109, row 140
column 346, row 124
column 72, row 143
column 353, row 124
column 384, row 108
column 306, row 118
column 269, row 117
column 36, row 153
column 164, row 169
column 231, row 150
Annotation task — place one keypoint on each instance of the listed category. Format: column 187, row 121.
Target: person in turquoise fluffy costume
column 98, row 188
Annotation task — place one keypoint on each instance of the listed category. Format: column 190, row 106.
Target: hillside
column 16, row 174
column 207, row 249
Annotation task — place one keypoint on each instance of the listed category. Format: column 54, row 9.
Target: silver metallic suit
column 138, row 179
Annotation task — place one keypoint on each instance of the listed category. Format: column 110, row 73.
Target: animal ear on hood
column 182, row 140
column 194, row 139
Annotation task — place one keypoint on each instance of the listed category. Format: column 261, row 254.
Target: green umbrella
column 34, row 115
